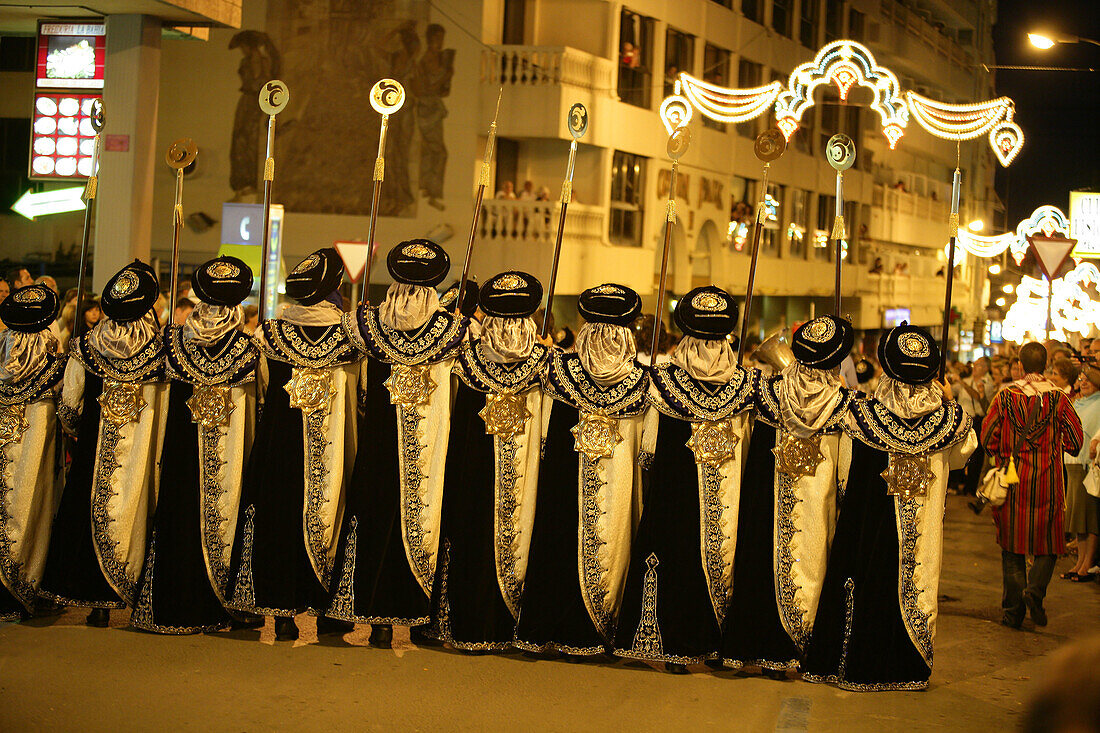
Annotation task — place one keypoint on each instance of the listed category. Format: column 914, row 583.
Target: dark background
column 1059, row 111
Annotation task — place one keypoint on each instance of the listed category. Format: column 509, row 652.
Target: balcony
column 906, row 218
column 541, row 84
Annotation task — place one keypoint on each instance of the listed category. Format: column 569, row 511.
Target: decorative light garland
column 1072, row 307
column 847, row 64
column 1046, row 220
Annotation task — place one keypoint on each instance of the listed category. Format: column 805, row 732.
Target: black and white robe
column 491, row 482
column 292, row 496
column 876, row 622
column 389, row 541
column 29, row 485
column 116, row 408
column 211, row 418
column 786, row 522
column 681, row 563
column 586, row 510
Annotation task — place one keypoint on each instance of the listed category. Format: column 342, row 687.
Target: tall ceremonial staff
column 90, row 188
column 274, row 97
column 677, row 145
column 840, row 151
column 954, row 223
column 578, row 125
column 181, row 154
column 769, row 145
column 486, row 167
column 386, row 97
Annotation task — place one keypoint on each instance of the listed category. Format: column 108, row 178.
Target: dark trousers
column 1020, row 583
column 976, row 463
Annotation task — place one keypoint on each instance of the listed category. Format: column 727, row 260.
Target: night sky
column 1059, row 111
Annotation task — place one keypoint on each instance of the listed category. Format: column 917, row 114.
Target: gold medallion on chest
column 596, row 436
column 210, row 405
column 410, row 386
column 713, row 442
column 121, row 402
column 908, row 476
column 505, row 414
column 798, row 457
column 310, row 390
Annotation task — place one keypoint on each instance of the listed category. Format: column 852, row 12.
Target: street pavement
column 57, row 674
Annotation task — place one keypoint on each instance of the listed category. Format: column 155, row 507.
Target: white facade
column 559, row 52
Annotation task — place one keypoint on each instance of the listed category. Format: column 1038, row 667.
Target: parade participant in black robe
column 697, row 430
column 492, row 471
column 876, row 623
column 292, row 495
column 788, row 501
column 114, row 401
column 589, row 497
column 30, row 378
column 389, row 541
column 211, row 418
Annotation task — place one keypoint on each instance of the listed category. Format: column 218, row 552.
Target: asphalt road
column 58, row 674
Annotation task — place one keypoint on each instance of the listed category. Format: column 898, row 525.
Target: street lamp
column 1046, row 41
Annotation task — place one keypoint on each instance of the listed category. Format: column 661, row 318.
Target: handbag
column 997, row 481
column 1092, row 481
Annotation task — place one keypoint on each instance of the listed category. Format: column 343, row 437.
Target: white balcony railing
column 544, row 65
column 910, row 204
column 536, row 222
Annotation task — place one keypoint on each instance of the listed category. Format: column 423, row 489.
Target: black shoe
column 573, row 658
column 99, row 618
column 1011, row 621
column 285, row 629
column 418, row 635
column 1035, row 608
column 247, row 622
column 333, row 626
column 716, row 664
column 675, row 668
column 774, row 674
column 976, row 506
column 381, row 636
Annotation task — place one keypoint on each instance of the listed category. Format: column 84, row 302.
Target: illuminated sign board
column 894, row 316
column 1084, row 222
column 62, row 137
column 243, row 230
column 70, row 55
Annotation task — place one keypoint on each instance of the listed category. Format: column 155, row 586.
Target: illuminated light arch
column 728, row 105
column 675, row 112
column 1048, row 221
column 846, row 64
column 968, row 121
column 1072, row 307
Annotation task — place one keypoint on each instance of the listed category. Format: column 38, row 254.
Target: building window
column 742, row 206
column 627, row 186
column 635, row 58
column 805, row 136
column 716, row 70
column 825, row 211
column 512, row 27
column 724, row 3
column 781, row 16
column 798, row 231
column 834, row 19
column 807, row 26
column 679, row 56
column 773, row 220
column 752, row 9
column 855, row 25
column 830, row 121
column 749, row 75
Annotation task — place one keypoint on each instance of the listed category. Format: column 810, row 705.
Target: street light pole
column 1046, row 41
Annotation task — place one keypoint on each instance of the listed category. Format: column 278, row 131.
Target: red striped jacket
column 1032, row 521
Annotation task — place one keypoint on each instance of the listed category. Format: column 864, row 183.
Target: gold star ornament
column 210, row 405
column 713, row 443
column 505, row 414
column 908, row 476
column 121, row 402
column 596, row 436
column 798, row 456
column 13, row 423
column 310, row 390
column 410, row 386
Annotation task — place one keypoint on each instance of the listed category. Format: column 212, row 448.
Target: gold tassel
column 1011, row 477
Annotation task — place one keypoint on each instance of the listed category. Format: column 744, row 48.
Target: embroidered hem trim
column 142, row 616
column 592, row 572
column 114, row 569
column 916, row 621
column 553, row 646
column 418, row 555
column 786, row 590
column 11, row 570
column 763, row 664
column 316, row 474
column 210, row 516
column 916, row 686
column 710, row 510
column 65, row 601
column 510, row 584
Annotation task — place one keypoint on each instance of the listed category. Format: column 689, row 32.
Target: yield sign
column 354, row 255
column 1051, row 252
